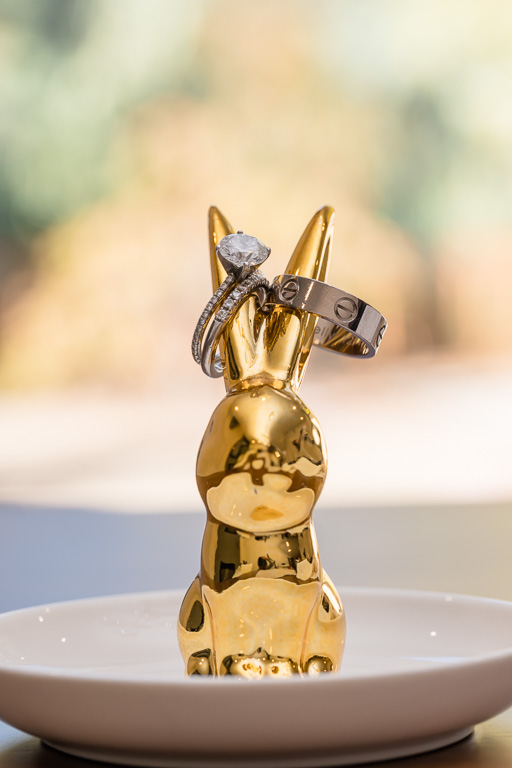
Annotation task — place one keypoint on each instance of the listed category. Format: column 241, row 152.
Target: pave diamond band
column 210, row 360
column 347, row 325
column 206, row 314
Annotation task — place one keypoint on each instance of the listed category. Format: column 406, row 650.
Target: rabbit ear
column 218, row 227
column 310, row 259
column 311, row 255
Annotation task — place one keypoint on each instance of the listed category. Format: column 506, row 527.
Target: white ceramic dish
column 103, row 678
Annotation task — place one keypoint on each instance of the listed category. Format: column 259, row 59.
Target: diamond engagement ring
column 240, row 255
column 347, row 325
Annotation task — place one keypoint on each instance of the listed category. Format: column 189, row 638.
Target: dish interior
column 387, row 631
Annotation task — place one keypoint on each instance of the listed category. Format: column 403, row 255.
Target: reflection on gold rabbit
column 261, row 604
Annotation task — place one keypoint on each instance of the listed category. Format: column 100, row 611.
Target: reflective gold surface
column 262, row 604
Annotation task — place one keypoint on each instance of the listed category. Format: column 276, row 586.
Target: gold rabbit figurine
column 261, row 603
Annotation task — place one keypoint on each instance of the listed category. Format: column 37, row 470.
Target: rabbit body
column 261, row 603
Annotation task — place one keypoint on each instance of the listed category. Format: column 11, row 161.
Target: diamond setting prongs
column 240, row 252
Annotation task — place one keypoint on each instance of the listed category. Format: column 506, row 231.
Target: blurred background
column 121, row 122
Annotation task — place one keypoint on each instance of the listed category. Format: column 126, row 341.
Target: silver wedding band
column 347, row 325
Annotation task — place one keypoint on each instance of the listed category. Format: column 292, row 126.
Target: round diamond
column 241, row 251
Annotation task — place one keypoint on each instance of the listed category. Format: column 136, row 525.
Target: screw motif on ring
column 345, row 309
column 289, row 289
